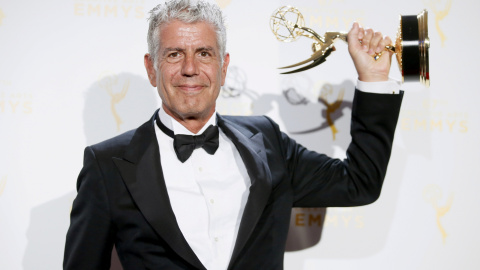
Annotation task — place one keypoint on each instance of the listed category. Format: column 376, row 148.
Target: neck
column 193, row 123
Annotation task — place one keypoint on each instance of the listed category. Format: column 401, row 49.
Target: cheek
column 164, row 80
column 166, row 72
column 214, row 75
column 163, row 89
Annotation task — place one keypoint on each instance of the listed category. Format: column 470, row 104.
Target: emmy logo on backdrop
column 440, row 15
column 432, row 194
column 293, row 97
column 331, row 107
column 108, row 83
column 235, row 83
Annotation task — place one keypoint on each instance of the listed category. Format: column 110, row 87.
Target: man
column 166, row 204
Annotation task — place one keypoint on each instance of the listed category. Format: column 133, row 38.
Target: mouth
column 190, row 88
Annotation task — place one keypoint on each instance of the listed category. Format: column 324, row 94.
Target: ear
column 151, row 72
column 226, row 61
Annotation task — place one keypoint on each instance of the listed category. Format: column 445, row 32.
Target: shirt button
column 216, row 239
column 212, row 201
column 200, row 169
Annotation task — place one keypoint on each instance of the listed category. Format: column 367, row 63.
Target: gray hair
column 189, row 12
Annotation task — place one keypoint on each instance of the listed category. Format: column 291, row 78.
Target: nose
column 189, row 66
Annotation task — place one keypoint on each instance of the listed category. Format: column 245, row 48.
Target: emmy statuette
column 411, row 46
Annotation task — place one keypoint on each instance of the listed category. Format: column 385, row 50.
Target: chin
column 190, row 113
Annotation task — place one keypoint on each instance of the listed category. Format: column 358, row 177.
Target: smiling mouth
column 190, row 88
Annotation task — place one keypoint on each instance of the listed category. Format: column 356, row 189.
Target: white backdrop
column 71, row 74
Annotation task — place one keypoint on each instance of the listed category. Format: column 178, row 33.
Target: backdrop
column 72, row 74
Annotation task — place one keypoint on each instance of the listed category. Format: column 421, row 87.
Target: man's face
column 190, row 72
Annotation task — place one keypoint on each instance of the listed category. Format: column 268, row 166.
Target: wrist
column 372, row 77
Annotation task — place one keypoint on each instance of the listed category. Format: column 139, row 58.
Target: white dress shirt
column 387, row 87
column 208, row 193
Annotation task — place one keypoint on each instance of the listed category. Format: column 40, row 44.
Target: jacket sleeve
column 320, row 181
column 89, row 240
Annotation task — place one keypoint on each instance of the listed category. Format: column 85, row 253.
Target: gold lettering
column 434, row 124
column 463, row 125
column 139, row 12
column 315, row 219
column 27, row 107
column 78, row 9
column 332, row 22
column 450, row 125
column 359, row 222
column 405, row 124
column 112, row 9
column 300, row 219
column 315, row 21
column 126, row 10
column 93, row 9
column 346, row 220
column 420, row 124
column 14, row 106
column 331, row 219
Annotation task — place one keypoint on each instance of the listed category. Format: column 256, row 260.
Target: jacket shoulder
column 253, row 123
column 115, row 145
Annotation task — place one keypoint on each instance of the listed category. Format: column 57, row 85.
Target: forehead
column 183, row 35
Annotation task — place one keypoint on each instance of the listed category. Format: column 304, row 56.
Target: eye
column 174, row 55
column 204, row 54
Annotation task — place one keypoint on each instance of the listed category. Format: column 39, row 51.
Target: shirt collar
column 178, row 128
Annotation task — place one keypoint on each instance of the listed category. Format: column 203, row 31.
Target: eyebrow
column 178, row 49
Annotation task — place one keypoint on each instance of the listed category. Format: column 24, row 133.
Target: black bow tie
column 185, row 144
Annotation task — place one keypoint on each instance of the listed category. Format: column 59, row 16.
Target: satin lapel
column 252, row 150
column 141, row 171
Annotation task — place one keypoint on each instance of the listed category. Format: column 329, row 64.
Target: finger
column 353, row 34
column 366, row 41
column 361, row 33
column 375, row 43
column 388, row 42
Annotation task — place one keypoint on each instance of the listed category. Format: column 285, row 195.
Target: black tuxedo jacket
column 122, row 198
